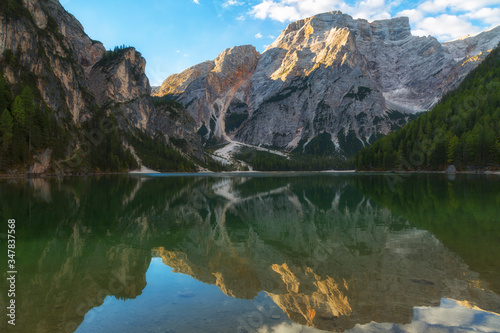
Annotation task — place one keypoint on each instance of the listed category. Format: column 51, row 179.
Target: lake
column 253, row 253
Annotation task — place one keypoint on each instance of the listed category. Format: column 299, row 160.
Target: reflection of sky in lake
column 450, row 316
column 173, row 302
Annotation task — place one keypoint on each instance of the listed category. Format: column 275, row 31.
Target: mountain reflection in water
column 331, row 252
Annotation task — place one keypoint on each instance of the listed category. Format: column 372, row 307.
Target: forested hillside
column 463, row 129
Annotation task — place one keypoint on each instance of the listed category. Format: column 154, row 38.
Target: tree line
column 264, row 161
column 111, row 55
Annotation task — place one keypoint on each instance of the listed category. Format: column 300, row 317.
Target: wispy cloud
column 229, row 3
column 196, row 2
column 258, row 35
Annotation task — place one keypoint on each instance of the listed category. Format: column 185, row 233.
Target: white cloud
column 291, row 10
column 241, row 18
column 444, row 19
column 196, row 2
column 258, row 35
column 275, row 11
column 414, row 15
column 487, row 15
column 229, row 3
column 444, row 27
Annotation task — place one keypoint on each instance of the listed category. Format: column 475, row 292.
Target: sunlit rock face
column 208, row 89
column 329, row 74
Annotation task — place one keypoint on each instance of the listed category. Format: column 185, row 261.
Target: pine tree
column 4, row 94
column 6, row 124
column 454, row 150
column 28, row 101
column 18, row 112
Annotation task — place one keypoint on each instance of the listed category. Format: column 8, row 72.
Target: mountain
column 68, row 106
column 328, row 85
column 462, row 130
column 328, row 79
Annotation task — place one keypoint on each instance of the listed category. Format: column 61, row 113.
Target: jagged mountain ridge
column 327, row 74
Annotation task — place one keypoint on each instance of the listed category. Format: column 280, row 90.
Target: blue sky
column 175, row 34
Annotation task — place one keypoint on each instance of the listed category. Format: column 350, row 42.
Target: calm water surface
column 279, row 253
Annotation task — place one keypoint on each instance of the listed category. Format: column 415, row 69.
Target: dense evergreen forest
column 264, row 161
column 462, row 130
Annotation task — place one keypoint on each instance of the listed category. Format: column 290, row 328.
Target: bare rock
column 42, row 162
column 326, row 75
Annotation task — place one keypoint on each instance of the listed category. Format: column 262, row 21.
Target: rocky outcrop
column 42, row 162
column 330, row 74
column 122, row 83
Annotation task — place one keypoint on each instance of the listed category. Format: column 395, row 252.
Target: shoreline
column 148, row 172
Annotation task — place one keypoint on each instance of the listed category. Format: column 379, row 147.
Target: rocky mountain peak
column 209, row 87
column 233, row 66
column 242, row 57
column 328, row 77
column 76, row 84
column 321, row 27
column 177, row 83
column 121, row 79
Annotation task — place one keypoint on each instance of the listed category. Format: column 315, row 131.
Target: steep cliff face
column 95, row 98
column 51, row 46
column 122, row 83
column 331, row 74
